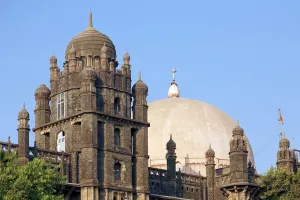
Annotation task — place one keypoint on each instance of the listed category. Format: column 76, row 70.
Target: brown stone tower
column 210, row 173
column 240, row 187
column 285, row 156
column 90, row 119
column 23, row 136
column 170, row 183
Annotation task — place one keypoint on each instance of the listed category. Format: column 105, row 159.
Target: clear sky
column 242, row 57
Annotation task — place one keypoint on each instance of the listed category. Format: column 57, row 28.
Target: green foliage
column 279, row 185
column 37, row 180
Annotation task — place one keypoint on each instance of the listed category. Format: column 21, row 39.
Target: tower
column 90, row 119
column 240, row 186
column 170, row 183
column 210, row 173
column 23, row 136
column 140, row 113
column 238, row 156
column 285, row 156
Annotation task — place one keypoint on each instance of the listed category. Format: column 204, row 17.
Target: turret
column 140, row 93
column 73, row 60
column 23, row 136
column 88, row 78
column 284, row 156
column 238, row 156
column 126, row 65
column 210, row 173
column 104, row 58
column 171, row 159
column 42, row 107
column 53, row 68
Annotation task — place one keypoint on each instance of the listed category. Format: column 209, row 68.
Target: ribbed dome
column 193, row 125
column 23, row 114
column 90, row 42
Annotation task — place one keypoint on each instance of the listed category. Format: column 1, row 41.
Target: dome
column 53, row 59
column 171, row 143
column 193, row 125
column 90, row 42
column 42, row 91
column 23, row 114
column 210, row 152
column 140, row 86
column 284, row 142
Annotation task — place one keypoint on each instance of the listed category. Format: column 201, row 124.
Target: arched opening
column 61, row 141
column 117, row 171
column 117, row 105
column 117, row 137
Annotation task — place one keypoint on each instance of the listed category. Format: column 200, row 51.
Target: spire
column 173, row 90
column 24, row 106
column 91, row 19
column 139, row 76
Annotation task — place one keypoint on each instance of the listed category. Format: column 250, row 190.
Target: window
column 117, row 105
column 61, row 141
column 117, row 171
column 61, row 105
column 117, row 136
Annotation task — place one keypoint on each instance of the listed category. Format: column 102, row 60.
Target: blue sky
column 242, row 57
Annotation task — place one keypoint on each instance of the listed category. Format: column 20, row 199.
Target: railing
column 60, row 159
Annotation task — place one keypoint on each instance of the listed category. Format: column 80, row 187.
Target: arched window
column 61, row 141
column 117, row 171
column 117, row 137
column 117, row 105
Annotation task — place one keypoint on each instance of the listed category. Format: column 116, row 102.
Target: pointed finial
column 209, row 145
column 52, row 53
column 170, row 136
column 238, row 122
column 91, row 19
column 140, row 76
column 24, row 106
column 8, row 139
column 174, row 71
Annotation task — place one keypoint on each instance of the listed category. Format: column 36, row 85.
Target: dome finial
column 173, row 90
column 24, row 106
column 140, row 76
column 174, row 71
column 91, row 19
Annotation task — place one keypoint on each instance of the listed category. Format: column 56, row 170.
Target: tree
column 36, row 180
column 280, row 185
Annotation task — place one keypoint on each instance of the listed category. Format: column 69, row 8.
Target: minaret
column 285, row 156
column 73, row 60
column 140, row 112
column 23, row 136
column 54, row 73
column 140, row 93
column 210, row 173
column 173, row 90
column 42, row 114
column 103, row 58
column 126, row 65
column 238, row 156
column 171, row 159
column 170, row 183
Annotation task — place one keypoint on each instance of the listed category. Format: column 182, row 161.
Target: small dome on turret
column 140, row 86
column 210, row 152
column 53, row 59
column 171, row 143
column 42, row 91
column 284, row 142
column 72, row 50
column 23, row 114
column 104, row 48
column 88, row 73
column 238, row 130
column 126, row 56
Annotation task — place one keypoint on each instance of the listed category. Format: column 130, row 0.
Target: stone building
column 94, row 126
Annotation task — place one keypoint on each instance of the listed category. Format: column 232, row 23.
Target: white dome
column 193, row 125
